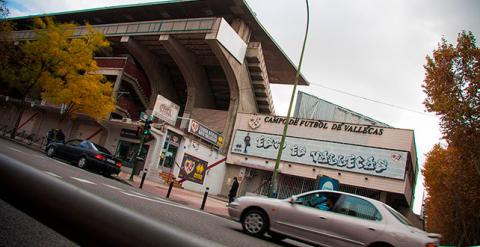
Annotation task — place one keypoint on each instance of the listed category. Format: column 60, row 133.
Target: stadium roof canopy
column 280, row 68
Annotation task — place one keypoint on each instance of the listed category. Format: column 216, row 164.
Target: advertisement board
column 205, row 133
column 165, row 110
column 193, row 169
column 325, row 154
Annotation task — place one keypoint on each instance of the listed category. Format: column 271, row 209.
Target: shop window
column 169, row 151
column 126, row 152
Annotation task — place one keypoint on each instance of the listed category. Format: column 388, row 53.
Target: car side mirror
column 292, row 199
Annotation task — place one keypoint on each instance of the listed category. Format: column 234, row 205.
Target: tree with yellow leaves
column 452, row 173
column 60, row 68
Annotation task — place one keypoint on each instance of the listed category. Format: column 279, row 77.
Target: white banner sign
column 166, row 110
column 325, row 154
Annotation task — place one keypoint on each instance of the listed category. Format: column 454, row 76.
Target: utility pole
column 274, row 190
column 145, row 133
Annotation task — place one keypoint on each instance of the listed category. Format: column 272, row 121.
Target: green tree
column 6, row 27
column 3, row 9
column 61, row 70
column 452, row 174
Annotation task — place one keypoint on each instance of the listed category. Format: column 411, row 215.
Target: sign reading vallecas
column 165, row 110
column 326, row 154
column 205, row 133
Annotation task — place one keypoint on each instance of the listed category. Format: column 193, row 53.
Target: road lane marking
column 113, row 187
column 83, row 180
column 60, row 162
column 163, row 201
column 40, row 156
column 53, row 174
column 140, row 194
column 148, row 198
column 14, row 149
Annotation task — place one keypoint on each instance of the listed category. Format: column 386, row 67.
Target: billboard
column 193, row 169
column 165, row 110
column 325, row 154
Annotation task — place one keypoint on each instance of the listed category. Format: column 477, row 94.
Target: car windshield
column 399, row 216
column 101, row 149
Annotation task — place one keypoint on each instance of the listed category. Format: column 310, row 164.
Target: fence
column 292, row 185
column 287, row 185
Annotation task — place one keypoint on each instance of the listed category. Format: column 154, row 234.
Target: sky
column 375, row 49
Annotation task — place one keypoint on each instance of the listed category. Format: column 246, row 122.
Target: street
column 20, row 230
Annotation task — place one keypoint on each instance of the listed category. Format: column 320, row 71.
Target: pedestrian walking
column 233, row 191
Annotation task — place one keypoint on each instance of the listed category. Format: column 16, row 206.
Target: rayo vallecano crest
column 255, row 121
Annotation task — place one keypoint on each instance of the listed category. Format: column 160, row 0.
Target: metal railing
column 287, row 186
column 68, row 210
column 194, row 25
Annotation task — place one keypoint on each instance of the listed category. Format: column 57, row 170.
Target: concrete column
column 383, row 196
column 116, row 86
column 242, row 96
column 157, row 74
column 242, row 29
column 199, row 93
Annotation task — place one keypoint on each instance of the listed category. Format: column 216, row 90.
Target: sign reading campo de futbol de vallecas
column 255, row 121
column 205, row 133
column 340, row 156
column 165, row 110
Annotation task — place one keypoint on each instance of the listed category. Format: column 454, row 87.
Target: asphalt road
column 18, row 229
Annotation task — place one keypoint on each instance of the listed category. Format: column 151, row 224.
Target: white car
column 329, row 218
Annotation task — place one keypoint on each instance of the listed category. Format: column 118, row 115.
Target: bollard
column 169, row 189
column 143, row 177
column 204, row 199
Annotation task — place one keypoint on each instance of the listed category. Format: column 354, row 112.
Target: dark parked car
column 85, row 153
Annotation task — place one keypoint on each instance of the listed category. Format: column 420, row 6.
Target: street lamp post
column 274, row 189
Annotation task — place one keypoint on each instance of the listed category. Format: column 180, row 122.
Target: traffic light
column 147, row 134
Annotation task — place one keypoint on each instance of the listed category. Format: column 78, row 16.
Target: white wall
column 213, row 177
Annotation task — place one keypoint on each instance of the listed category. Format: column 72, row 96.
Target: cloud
column 44, row 7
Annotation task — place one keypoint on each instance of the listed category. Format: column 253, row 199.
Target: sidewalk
column 214, row 205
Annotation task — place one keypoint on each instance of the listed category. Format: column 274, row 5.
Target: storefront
column 198, row 161
column 169, row 151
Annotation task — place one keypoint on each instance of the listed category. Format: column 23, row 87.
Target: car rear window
column 399, row 216
column 357, row 207
column 101, row 149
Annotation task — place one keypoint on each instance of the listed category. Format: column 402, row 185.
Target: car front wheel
column 50, row 151
column 255, row 222
column 82, row 162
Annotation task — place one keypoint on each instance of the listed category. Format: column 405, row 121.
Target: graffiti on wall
column 341, row 156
